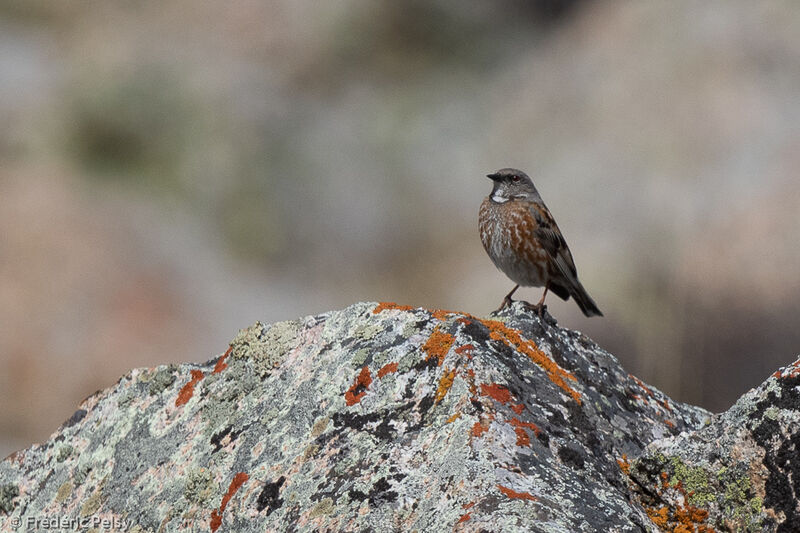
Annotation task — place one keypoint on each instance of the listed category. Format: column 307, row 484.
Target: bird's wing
column 548, row 234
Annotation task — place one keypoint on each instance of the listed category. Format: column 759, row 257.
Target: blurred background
column 172, row 171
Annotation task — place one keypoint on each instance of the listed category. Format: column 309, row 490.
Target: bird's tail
column 583, row 299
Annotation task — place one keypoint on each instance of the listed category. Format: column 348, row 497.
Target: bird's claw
column 506, row 302
column 540, row 308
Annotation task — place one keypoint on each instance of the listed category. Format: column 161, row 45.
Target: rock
column 382, row 417
column 739, row 473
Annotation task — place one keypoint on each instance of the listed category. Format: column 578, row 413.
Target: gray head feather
column 512, row 184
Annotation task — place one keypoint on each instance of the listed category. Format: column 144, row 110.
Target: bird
column 524, row 242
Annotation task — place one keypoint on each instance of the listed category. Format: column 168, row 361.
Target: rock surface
column 386, row 418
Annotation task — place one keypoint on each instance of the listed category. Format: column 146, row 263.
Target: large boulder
column 381, row 417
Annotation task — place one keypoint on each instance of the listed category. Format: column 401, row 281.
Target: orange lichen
column 496, row 392
column 438, row 344
column 187, row 391
column 469, row 505
column 500, row 332
column 641, row 385
column 464, row 518
column 690, row 514
column 624, row 464
column 517, row 423
column 221, row 364
column 681, row 517
column 518, row 408
column 465, row 350
column 659, row 516
column 453, row 418
column 216, row 515
column 388, row 368
column 445, row 382
column 382, row 306
column 790, row 371
column 481, row 426
column 359, row 388
column 522, row 437
column 670, row 423
column 441, row 314
column 473, row 388
column 511, row 493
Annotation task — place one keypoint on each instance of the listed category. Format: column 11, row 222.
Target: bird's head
column 512, row 184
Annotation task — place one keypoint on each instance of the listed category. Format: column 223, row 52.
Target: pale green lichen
column 359, row 358
column 212, row 378
column 63, row 492
column 269, row 416
column 407, row 361
column 91, row 505
column 695, row 480
column 63, row 453
column 266, row 348
column 126, row 399
column 410, row 329
column 736, row 489
column 310, row 451
column 161, row 380
column 771, row 413
column 738, row 504
column 81, row 472
column 8, row 492
column 730, row 488
column 380, row 358
column 221, row 404
column 199, row 486
column 756, row 505
column 319, row 427
column 324, row 507
column 368, row 331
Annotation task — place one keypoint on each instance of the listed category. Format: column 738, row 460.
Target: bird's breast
column 507, row 233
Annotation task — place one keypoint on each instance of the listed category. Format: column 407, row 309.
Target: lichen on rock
column 386, row 417
column 265, row 345
column 738, row 472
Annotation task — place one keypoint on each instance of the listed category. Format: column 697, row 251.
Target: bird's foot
column 506, row 302
column 540, row 309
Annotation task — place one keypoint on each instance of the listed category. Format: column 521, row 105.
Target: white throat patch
column 499, row 199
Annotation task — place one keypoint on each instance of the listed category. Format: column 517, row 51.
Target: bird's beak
column 493, row 177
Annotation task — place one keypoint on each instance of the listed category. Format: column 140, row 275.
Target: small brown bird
column 520, row 235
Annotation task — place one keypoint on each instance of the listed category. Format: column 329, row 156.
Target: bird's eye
column 515, row 179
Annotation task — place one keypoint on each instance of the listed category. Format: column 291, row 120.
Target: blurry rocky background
column 171, row 171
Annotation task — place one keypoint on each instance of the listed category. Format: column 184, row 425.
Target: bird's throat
column 499, row 199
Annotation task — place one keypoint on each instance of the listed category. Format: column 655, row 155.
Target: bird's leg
column 507, row 300
column 540, row 306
